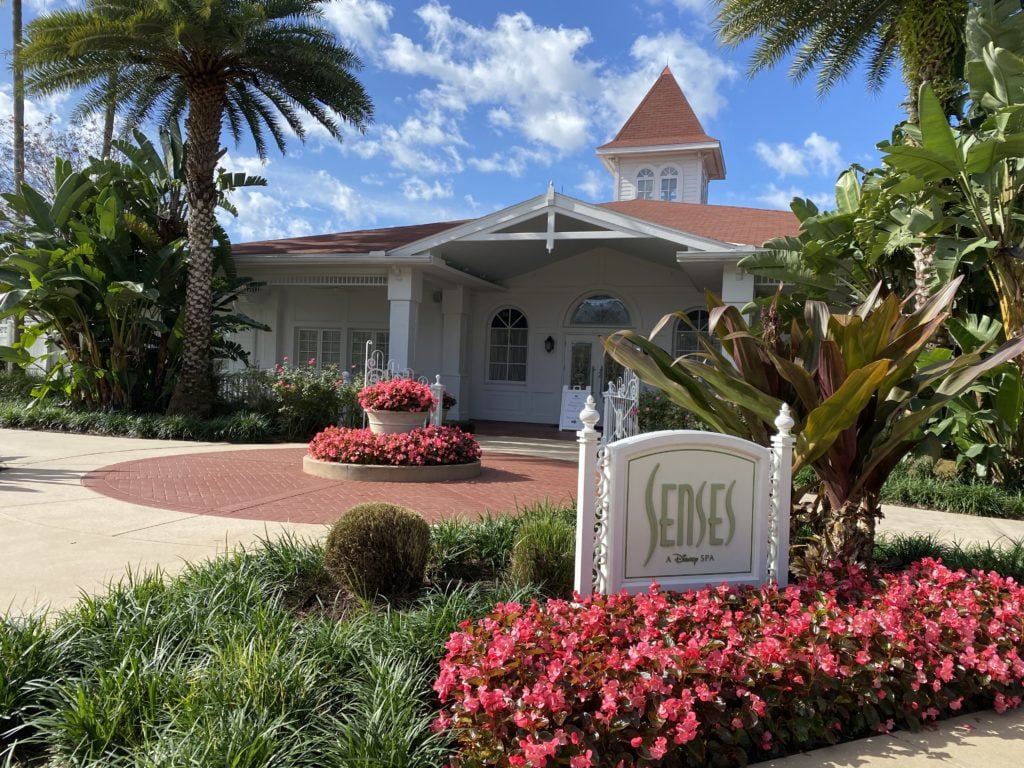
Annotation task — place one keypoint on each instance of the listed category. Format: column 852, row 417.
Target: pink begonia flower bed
column 397, row 395
column 725, row 676
column 425, row 446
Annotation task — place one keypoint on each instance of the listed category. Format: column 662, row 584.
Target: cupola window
column 645, row 184
column 669, row 184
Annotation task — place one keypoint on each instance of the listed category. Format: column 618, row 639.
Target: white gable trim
column 552, row 203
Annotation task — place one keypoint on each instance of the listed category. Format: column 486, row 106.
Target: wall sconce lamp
column 549, row 344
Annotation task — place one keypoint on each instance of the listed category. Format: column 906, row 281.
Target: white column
column 454, row 338
column 405, row 291
column 737, row 286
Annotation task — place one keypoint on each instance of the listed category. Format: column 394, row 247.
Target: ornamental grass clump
column 397, row 395
column 544, row 554
column 378, row 549
column 425, row 446
column 728, row 675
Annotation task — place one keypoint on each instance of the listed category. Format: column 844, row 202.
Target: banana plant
column 98, row 270
column 862, row 385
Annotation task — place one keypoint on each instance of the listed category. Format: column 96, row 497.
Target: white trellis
column 377, row 369
column 621, row 408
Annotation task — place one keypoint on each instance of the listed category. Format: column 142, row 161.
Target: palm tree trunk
column 193, row 392
column 108, row 118
column 19, row 122
column 19, row 97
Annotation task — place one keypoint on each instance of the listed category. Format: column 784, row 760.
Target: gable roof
column 664, row 116
column 360, row 241
column 727, row 223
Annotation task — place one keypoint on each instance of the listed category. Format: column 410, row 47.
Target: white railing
column 621, row 408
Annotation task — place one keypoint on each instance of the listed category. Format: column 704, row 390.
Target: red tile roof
column 361, row 241
column 663, row 117
column 727, row 223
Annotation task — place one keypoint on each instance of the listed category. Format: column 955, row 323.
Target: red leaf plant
column 722, row 676
column 420, row 447
column 397, row 395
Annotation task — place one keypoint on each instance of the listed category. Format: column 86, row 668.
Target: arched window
column 669, row 184
column 506, row 348
column 686, row 340
column 645, row 184
column 600, row 310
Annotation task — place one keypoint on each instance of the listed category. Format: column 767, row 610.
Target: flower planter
column 394, row 422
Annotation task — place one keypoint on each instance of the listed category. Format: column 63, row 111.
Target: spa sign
column 685, row 509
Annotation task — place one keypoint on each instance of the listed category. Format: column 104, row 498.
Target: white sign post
column 684, row 508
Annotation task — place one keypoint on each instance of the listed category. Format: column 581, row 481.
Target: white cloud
column 776, row 197
column 532, row 76
column 593, row 185
column 359, row 23
column 415, row 188
column 514, row 162
column 817, row 154
column 427, row 144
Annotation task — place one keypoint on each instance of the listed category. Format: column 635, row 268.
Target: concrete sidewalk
column 981, row 740
column 58, row 538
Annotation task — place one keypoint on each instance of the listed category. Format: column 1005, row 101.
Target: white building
column 510, row 307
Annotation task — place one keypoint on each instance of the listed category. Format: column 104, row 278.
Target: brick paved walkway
column 270, row 485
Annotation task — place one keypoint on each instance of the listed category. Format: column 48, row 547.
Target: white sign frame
column 602, row 493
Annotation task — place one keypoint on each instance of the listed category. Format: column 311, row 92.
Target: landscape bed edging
column 377, row 473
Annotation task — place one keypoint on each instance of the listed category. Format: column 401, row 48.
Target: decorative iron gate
column 621, row 408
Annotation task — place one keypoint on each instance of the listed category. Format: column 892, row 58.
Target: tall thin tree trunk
column 108, row 118
column 193, row 392
column 19, row 97
column 19, row 121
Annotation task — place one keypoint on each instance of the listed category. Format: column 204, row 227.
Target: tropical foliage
column 926, row 36
column 258, row 66
column 98, row 270
column 862, row 385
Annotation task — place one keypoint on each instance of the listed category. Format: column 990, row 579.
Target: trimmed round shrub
column 378, row 549
column 544, row 554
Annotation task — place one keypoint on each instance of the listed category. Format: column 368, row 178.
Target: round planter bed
column 378, row 473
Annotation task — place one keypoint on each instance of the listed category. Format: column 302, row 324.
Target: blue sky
column 480, row 104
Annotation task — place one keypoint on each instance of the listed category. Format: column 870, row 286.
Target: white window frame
column 669, row 173
column 508, row 347
column 681, row 327
column 302, row 358
column 645, row 176
column 357, row 367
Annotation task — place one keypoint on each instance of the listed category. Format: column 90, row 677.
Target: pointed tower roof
column 664, row 117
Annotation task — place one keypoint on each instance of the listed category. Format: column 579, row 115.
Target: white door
column 587, row 365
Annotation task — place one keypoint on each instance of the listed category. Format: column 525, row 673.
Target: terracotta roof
column 727, row 223
column 361, row 241
column 663, row 117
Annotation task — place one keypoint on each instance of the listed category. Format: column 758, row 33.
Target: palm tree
column 832, row 38
column 255, row 66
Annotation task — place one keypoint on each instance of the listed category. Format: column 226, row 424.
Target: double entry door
column 587, row 365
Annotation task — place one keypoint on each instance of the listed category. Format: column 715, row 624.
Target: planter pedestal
column 394, row 422
column 438, row 473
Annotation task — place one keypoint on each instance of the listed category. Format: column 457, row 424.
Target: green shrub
column 15, row 383
column 481, row 550
column 239, row 427
column 378, row 549
column 1005, row 557
column 544, row 554
column 657, row 412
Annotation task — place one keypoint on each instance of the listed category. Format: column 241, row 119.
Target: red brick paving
column 270, row 485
